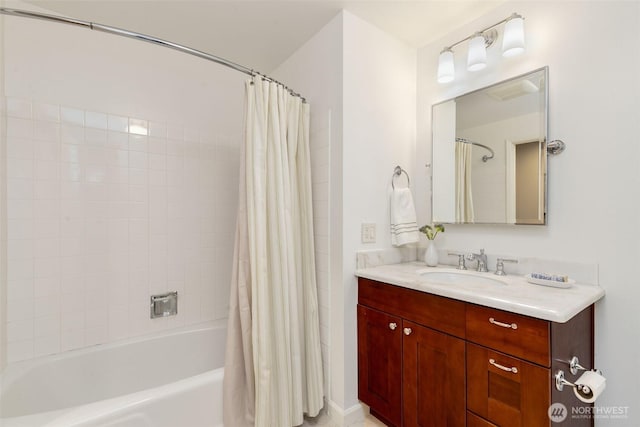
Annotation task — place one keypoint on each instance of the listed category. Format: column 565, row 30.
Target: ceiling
column 262, row 34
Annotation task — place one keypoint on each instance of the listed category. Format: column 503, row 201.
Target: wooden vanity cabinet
column 425, row 360
column 409, row 371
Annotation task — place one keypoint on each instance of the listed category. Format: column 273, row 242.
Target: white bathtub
column 167, row 380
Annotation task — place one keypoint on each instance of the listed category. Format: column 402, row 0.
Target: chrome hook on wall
column 556, row 146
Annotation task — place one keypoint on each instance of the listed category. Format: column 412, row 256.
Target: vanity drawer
column 514, row 334
column 440, row 313
column 506, row 391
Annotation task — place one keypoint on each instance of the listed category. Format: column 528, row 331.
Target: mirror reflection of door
column 525, row 182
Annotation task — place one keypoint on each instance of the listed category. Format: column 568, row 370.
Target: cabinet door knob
column 504, row 325
column 504, row 368
column 407, row 331
column 393, row 326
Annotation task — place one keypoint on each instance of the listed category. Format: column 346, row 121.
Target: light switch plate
column 368, row 233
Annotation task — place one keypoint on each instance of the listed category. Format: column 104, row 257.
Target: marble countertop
column 514, row 294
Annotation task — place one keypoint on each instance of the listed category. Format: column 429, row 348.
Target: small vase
column 431, row 254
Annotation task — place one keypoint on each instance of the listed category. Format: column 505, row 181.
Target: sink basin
column 460, row 278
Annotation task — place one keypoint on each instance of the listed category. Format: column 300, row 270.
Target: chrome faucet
column 461, row 256
column 482, row 260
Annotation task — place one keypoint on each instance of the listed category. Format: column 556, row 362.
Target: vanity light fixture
column 512, row 44
column 477, row 55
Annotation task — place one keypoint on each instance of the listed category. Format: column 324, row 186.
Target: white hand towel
column 404, row 228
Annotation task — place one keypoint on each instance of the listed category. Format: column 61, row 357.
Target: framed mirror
column 489, row 156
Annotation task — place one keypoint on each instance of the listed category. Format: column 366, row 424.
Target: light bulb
column 477, row 56
column 446, row 70
column 513, row 39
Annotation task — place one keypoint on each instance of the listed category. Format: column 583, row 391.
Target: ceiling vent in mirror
column 512, row 90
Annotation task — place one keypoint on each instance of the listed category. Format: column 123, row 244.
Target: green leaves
column 431, row 231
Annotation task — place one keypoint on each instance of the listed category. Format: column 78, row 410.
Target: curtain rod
column 143, row 37
column 485, row 157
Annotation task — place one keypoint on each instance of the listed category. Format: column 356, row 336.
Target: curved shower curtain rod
column 485, row 157
column 146, row 38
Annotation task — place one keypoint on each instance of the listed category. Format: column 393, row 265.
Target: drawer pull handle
column 393, row 326
column 504, row 368
column 504, row 325
column 407, row 331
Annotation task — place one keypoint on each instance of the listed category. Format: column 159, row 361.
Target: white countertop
column 515, row 294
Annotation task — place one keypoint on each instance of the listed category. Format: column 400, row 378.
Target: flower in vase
column 431, row 231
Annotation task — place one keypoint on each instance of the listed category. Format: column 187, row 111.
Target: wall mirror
column 489, row 157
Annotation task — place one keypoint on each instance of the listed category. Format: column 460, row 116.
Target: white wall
column 594, row 199
column 379, row 133
column 3, row 208
column 102, row 215
column 367, row 80
column 315, row 71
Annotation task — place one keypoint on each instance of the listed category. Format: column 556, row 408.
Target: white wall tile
column 20, row 249
column 20, row 330
column 46, row 306
column 20, row 189
column 138, row 126
column 46, row 345
column 19, row 128
column 71, row 339
column 72, row 116
column 20, row 108
column 46, row 286
column 157, row 129
column 46, row 112
column 20, row 209
column 118, row 123
column 70, row 134
column 47, row 151
column 20, row 168
column 118, row 140
column 20, row 289
column 20, row 350
column 21, row 148
column 46, row 131
column 95, row 120
column 46, row 326
column 90, row 232
column 20, row 309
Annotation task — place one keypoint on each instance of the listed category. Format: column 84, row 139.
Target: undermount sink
column 460, row 278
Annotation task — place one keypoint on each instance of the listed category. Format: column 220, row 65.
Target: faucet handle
column 460, row 255
column 500, row 265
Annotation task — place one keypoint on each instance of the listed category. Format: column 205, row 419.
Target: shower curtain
column 464, row 198
column 273, row 368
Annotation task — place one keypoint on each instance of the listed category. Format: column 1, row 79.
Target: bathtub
column 173, row 379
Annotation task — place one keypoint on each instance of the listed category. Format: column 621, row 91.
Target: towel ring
column 397, row 172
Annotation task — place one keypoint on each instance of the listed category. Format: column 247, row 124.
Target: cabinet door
column 433, row 378
column 505, row 390
column 380, row 363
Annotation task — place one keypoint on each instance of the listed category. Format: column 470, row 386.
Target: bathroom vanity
column 434, row 354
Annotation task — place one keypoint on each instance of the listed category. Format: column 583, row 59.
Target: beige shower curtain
column 464, row 197
column 273, row 368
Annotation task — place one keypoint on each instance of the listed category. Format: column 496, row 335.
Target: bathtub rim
column 13, row 371
column 95, row 410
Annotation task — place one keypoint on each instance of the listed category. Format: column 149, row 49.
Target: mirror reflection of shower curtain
column 464, row 198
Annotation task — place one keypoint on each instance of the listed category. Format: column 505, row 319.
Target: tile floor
column 324, row 421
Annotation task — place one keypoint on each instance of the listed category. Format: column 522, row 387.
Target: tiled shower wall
column 103, row 211
column 319, row 144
